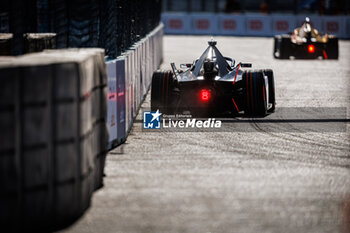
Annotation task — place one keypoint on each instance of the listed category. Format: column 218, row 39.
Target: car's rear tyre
column 255, row 94
column 272, row 99
column 332, row 49
column 282, row 46
column 161, row 93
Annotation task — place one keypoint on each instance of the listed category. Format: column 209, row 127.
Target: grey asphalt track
column 284, row 176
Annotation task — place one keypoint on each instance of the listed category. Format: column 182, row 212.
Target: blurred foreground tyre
column 161, row 93
column 332, row 49
column 255, row 94
column 53, row 137
column 282, row 45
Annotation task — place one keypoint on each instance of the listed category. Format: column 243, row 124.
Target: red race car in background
column 306, row 43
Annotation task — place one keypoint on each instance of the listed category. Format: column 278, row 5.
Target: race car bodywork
column 305, row 43
column 213, row 86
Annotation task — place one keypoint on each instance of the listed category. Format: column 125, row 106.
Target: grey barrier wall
column 251, row 24
column 53, row 137
column 129, row 78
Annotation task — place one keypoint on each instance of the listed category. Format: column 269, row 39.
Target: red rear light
column 205, row 95
column 311, row 48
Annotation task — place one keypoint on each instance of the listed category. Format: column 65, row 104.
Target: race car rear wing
column 210, row 53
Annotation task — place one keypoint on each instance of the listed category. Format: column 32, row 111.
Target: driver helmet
column 307, row 25
column 208, row 66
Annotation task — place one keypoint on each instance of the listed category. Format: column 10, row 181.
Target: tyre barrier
column 37, row 42
column 6, row 44
column 129, row 78
column 83, row 28
column 33, row 42
column 251, row 24
column 53, row 137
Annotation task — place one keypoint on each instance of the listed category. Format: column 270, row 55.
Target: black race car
column 306, row 43
column 213, row 86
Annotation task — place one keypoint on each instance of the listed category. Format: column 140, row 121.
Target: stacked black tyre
column 61, row 22
column 37, row 42
column 256, row 101
column 111, row 31
column 162, row 91
column 76, row 23
column 83, row 23
column 53, row 137
column 6, row 44
column 33, row 42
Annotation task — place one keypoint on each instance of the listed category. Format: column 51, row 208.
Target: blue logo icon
column 151, row 120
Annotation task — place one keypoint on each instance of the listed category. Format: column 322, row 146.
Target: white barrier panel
column 176, row 23
column 158, row 47
column 148, row 64
column 160, row 39
column 138, row 77
column 136, row 80
column 112, row 100
column 334, row 25
column 142, row 70
column 204, row 24
column 144, row 60
column 153, row 47
column 134, row 65
column 250, row 24
column 258, row 25
column 128, row 105
column 231, row 24
column 151, row 54
column 282, row 24
column 121, row 98
column 131, row 78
